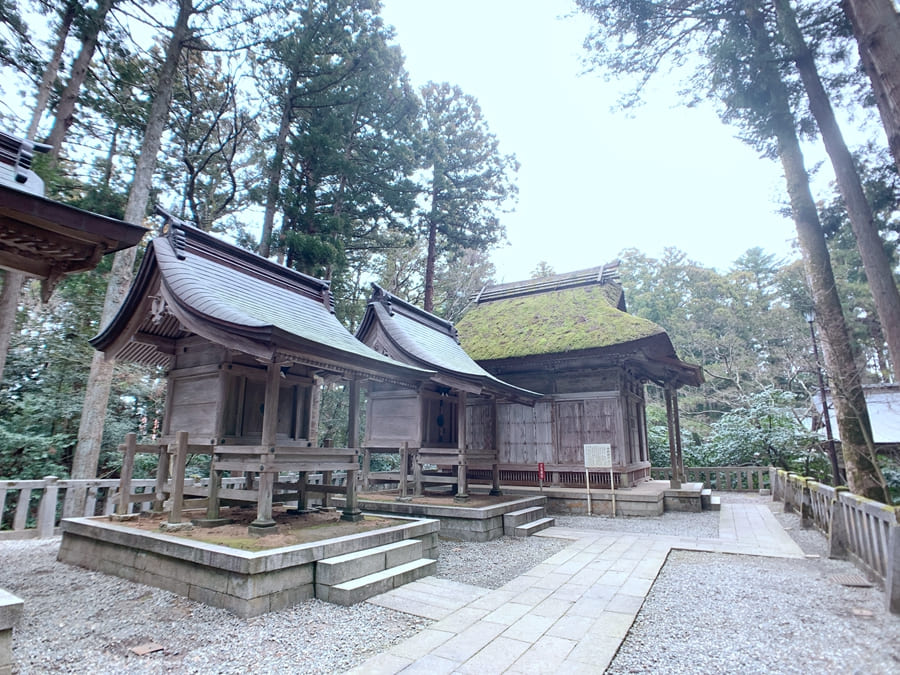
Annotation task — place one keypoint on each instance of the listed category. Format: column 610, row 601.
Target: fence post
column 892, row 572
column 838, row 535
column 47, row 507
column 806, row 516
column 124, row 505
column 177, row 496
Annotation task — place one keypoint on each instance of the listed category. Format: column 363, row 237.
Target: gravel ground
column 77, row 621
column 707, row 613
column 713, row 613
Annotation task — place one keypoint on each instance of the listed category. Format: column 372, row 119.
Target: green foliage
column 43, row 385
column 764, row 431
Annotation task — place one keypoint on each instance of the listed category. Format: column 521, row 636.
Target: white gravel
column 712, row 613
column 706, row 613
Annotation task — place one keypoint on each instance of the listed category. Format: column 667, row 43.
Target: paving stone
column 430, row 664
column 545, row 655
column 571, row 626
column 460, row 620
column 552, row 608
column 508, row 613
column 496, row 656
column 469, row 642
column 382, row 664
column 421, row 644
column 625, row 604
column 529, row 628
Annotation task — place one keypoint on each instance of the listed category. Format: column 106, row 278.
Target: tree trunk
column 65, row 111
column 93, row 414
column 274, row 177
column 871, row 247
column 9, row 304
column 52, row 69
column 876, row 26
column 429, row 267
column 863, row 475
column 431, row 255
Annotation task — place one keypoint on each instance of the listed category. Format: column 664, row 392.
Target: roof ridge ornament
column 177, row 237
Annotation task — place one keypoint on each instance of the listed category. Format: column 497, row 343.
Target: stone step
column 705, row 496
column 357, row 590
column 715, row 504
column 529, row 529
column 513, row 519
column 341, row 568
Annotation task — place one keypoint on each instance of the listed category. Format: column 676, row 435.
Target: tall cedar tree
column 469, row 181
column 93, row 415
column 871, row 246
column 348, row 157
column 876, row 26
column 740, row 70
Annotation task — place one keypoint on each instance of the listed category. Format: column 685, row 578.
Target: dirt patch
column 290, row 529
column 474, row 501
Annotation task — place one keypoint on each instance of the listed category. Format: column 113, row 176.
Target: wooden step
column 357, row 590
column 528, row 529
column 341, row 568
column 513, row 519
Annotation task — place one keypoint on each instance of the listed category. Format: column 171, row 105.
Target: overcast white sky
column 591, row 182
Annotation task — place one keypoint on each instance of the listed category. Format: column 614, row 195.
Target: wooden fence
column 723, row 478
column 32, row 509
column 862, row 530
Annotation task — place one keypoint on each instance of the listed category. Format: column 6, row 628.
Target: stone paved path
column 567, row 615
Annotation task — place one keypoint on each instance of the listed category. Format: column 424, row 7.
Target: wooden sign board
column 597, row 455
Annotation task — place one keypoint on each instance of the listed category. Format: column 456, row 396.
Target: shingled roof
column 422, row 339
column 190, row 282
column 44, row 238
column 565, row 314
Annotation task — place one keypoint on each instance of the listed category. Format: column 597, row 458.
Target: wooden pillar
column 679, row 455
column 495, row 467
column 675, row 480
column 127, row 473
column 462, row 490
column 315, row 403
column 326, row 480
column 162, row 477
column 351, row 508
column 417, row 473
column 366, row 467
column 264, row 520
column 177, row 494
column 404, row 469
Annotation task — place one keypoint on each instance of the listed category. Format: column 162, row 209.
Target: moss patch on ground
column 290, row 529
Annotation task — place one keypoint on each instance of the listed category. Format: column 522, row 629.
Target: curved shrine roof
column 425, row 340
column 237, row 299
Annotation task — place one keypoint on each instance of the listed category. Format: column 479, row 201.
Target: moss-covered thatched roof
column 550, row 322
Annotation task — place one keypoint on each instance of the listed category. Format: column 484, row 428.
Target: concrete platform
column 567, row 615
column 247, row 583
column 650, row 498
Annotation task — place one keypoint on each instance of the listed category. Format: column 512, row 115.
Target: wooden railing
column 32, row 509
column 862, row 530
column 722, row 478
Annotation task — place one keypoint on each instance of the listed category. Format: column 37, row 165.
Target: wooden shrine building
column 570, row 337
column 433, row 426
column 245, row 342
column 44, row 238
